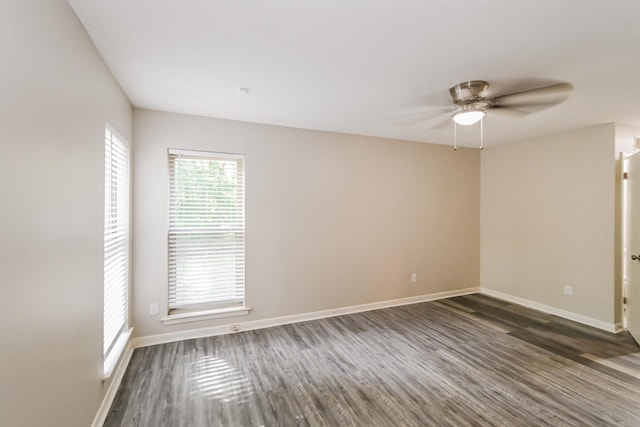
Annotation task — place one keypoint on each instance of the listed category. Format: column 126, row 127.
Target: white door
column 632, row 255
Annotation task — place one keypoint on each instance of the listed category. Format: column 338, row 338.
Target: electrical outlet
column 235, row 328
column 153, row 308
column 414, row 278
column 568, row 290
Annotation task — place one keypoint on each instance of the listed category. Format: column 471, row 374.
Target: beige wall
column 56, row 95
column 548, row 220
column 332, row 220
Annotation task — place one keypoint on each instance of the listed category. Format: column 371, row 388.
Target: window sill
column 114, row 355
column 173, row 319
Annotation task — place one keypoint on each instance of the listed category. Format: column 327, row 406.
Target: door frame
column 622, row 255
column 624, row 226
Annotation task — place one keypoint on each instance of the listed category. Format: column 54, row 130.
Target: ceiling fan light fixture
column 468, row 117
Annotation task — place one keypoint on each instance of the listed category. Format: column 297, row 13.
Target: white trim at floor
column 605, row 326
column 114, row 384
column 295, row 318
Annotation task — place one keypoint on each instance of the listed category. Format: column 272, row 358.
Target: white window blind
column 206, row 230
column 116, row 238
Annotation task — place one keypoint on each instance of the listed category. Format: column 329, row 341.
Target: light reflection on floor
column 217, row 379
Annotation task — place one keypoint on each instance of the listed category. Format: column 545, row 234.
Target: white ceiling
column 355, row 66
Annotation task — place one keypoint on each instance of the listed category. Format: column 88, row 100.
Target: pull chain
column 455, row 135
column 482, row 133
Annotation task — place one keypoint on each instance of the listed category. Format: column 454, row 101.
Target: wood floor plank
column 470, row 361
column 616, row 363
column 499, row 313
column 471, row 315
column 518, row 309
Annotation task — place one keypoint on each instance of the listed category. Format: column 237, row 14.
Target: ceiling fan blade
column 413, row 119
column 533, row 96
column 442, row 124
column 528, row 105
column 507, row 111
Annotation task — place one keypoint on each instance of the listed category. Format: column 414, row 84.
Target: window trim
column 120, row 345
column 206, row 310
column 195, row 316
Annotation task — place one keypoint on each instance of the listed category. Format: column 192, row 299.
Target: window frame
column 112, row 350
column 205, row 310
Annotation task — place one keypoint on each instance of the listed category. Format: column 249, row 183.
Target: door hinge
column 624, row 300
column 625, row 175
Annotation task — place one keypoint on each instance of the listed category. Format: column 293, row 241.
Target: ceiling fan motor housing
column 469, row 92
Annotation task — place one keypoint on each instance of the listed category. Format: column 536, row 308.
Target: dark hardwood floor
column 464, row 361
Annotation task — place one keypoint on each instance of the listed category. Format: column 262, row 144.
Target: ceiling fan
column 472, row 101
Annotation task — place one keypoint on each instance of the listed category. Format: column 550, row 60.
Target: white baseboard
column 114, row 384
column 295, row 318
column 609, row 327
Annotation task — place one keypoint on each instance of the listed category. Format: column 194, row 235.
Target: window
column 206, row 231
column 116, row 243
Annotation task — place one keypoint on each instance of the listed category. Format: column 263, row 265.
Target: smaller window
column 206, row 231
